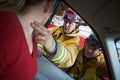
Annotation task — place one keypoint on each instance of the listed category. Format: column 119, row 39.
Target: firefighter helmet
column 71, row 16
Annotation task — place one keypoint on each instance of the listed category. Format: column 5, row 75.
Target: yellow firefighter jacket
column 93, row 69
column 67, row 47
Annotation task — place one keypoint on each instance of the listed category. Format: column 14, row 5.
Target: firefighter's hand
column 44, row 36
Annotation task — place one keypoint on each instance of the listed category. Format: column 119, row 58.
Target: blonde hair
column 12, row 4
column 17, row 5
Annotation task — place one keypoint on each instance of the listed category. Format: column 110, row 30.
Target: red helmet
column 70, row 15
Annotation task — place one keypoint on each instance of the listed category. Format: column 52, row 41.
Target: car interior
column 103, row 19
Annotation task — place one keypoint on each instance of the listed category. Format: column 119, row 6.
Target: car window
column 118, row 48
column 85, row 29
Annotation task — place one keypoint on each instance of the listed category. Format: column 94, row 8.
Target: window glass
column 118, row 48
column 85, row 31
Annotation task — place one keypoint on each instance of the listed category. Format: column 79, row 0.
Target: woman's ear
column 48, row 6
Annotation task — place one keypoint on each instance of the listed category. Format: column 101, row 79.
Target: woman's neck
column 25, row 23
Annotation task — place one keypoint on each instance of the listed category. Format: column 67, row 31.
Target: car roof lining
column 100, row 13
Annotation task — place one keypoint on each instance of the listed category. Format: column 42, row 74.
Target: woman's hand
column 44, row 36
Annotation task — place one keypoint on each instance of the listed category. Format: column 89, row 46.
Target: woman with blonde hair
column 17, row 44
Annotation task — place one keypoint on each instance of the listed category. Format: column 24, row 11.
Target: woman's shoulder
column 9, row 23
column 7, row 17
column 6, row 13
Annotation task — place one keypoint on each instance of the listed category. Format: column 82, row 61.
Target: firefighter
column 64, row 40
column 90, row 63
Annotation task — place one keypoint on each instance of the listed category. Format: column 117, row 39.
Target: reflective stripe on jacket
column 67, row 47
